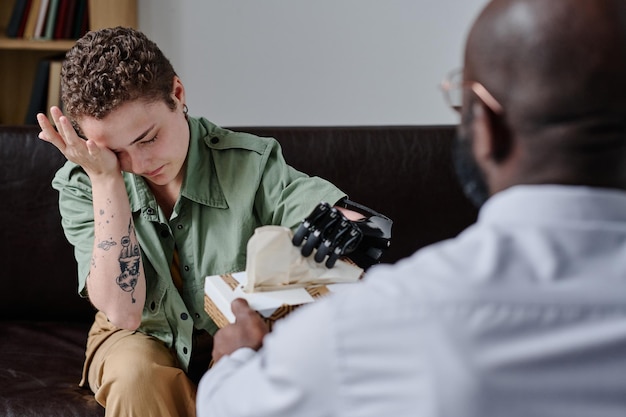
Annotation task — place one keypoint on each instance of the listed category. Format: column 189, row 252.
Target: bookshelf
column 19, row 58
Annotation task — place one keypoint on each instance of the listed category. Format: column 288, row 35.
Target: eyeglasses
column 452, row 87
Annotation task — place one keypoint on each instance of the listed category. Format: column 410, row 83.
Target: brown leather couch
column 404, row 172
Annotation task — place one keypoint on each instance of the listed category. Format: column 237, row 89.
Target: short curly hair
column 110, row 67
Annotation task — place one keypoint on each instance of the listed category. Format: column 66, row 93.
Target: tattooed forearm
column 129, row 260
column 106, row 244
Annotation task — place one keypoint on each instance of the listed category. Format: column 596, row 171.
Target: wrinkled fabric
column 523, row 314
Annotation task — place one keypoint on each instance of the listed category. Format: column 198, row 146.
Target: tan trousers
column 133, row 374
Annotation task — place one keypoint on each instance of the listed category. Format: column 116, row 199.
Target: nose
column 132, row 162
column 138, row 164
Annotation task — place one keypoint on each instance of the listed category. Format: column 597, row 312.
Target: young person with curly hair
column 153, row 201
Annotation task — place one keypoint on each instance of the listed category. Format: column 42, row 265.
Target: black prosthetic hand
column 334, row 236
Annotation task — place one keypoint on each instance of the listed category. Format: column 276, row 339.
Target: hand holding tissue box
column 277, row 278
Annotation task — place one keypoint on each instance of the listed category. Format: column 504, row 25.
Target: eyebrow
column 138, row 138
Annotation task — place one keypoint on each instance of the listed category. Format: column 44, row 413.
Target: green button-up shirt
column 234, row 183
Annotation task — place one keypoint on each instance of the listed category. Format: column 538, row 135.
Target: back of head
column 558, row 68
column 109, row 67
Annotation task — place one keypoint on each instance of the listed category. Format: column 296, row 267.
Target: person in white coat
column 524, row 313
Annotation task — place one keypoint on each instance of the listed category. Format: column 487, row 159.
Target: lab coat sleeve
column 293, row 374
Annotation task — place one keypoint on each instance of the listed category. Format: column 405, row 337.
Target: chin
column 158, row 180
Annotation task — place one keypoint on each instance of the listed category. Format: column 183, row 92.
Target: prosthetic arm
column 334, row 236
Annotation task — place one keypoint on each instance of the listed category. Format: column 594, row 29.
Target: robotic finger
column 328, row 232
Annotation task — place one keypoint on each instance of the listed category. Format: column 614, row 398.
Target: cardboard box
column 221, row 290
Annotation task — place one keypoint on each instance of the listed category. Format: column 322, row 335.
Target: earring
column 185, row 111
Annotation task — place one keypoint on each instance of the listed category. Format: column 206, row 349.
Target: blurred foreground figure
column 523, row 314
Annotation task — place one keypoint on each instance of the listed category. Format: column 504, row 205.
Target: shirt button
column 215, row 140
column 179, row 227
column 184, row 316
column 185, row 350
column 186, row 268
column 197, row 315
column 150, row 211
column 152, row 306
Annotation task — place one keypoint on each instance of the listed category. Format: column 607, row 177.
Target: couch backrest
column 404, row 172
column 38, row 271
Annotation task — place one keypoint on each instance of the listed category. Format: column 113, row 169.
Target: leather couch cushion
column 40, row 368
column 39, row 281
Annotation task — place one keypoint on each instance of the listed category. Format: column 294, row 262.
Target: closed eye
column 147, row 142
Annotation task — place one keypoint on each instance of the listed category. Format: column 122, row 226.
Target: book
column 41, row 19
column 54, row 85
column 20, row 32
column 61, row 19
column 85, row 24
column 51, row 19
column 18, row 12
column 69, row 20
column 38, row 95
column 80, row 19
column 31, row 20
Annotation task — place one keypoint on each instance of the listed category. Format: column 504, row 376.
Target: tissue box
column 221, row 290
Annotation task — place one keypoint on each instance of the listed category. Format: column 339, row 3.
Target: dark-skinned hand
column 248, row 330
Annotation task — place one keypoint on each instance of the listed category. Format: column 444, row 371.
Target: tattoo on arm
column 106, row 244
column 129, row 260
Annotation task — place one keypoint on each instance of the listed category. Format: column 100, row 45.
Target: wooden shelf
column 35, row 45
column 19, row 57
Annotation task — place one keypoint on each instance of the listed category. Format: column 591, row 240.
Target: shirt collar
column 554, row 203
column 201, row 183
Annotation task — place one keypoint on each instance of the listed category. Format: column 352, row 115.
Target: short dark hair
column 110, row 67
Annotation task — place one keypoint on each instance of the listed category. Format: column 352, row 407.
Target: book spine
column 41, row 19
column 38, row 95
column 53, row 12
column 81, row 14
column 17, row 13
column 31, row 20
column 20, row 32
column 69, row 21
column 54, row 85
column 61, row 18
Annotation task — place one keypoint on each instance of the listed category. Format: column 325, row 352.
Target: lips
column 154, row 173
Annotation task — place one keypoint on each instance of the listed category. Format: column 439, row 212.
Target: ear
column 492, row 139
column 178, row 91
